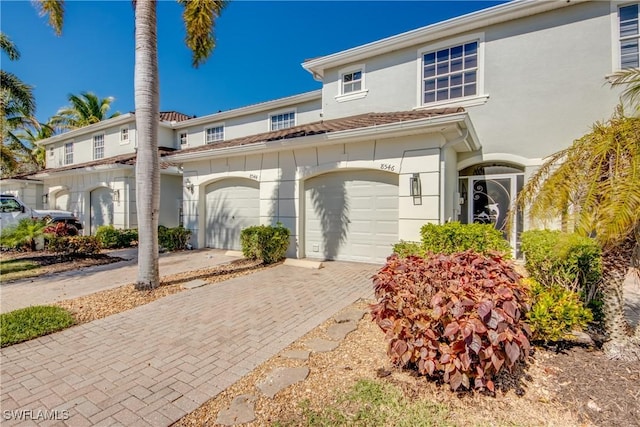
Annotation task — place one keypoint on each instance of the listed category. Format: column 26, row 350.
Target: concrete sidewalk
column 156, row 363
column 72, row 284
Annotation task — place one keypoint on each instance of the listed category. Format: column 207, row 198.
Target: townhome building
column 445, row 122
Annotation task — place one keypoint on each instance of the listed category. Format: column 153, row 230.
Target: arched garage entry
column 351, row 215
column 230, row 205
column 62, row 200
column 100, row 208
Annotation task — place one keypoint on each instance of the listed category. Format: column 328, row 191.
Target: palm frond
column 200, row 19
column 17, row 91
column 55, row 10
column 8, row 47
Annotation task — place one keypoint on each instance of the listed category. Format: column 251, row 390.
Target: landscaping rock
column 194, row 284
column 321, row 346
column 241, row 411
column 352, row 315
column 581, row 338
column 296, row 354
column 339, row 331
column 281, row 378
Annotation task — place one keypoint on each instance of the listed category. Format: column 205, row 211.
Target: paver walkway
column 76, row 283
column 156, row 363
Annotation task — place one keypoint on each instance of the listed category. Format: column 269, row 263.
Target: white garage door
column 101, row 206
column 351, row 216
column 62, row 201
column 231, row 205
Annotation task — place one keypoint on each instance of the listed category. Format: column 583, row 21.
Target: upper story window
column 629, row 36
column 352, row 82
column 182, row 137
column 214, row 134
column 98, row 146
column 124, row 135
column 51, row 152
column 283, row 120
column 68, row 153
column 450, row 73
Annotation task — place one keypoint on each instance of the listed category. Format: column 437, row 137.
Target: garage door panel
column 360, row 209
column 231, row 205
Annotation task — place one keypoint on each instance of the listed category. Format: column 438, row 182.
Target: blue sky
column 260, row 46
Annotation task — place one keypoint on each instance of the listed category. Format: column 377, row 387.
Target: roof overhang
column 21, row 180
column 84, row 169
column 458, row 123
column 470, row 22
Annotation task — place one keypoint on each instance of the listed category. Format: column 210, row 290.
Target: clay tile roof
column 328, row 126
column 173, row 116
column 123, row 159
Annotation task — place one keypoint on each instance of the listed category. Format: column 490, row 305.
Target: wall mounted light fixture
column 116, row 196
column 415, row 188
column 188, row 185
column 45, row 198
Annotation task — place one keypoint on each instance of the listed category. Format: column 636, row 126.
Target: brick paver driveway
column 154, row 364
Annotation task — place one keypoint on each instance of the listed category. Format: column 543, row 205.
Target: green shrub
column 456, row 318
column 173, row 239
column 265, row 242
column 404, row 248
column 556, row 312
column 25, row 234
column 74, row 245
column 455, row 237
column 114, row 238
column 566, row 259
column 32, row 322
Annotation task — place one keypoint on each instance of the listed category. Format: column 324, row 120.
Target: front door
column 487, row 200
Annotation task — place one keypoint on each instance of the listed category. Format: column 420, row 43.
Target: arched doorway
column 487, row 192
column 101, row 208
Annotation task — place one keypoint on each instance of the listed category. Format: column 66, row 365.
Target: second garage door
column 231, row 205
column 351, row 216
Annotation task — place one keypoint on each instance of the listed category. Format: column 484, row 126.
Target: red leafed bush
column 60, row 229
column 453, row 317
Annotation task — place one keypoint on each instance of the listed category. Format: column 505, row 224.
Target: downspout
column 443, row 169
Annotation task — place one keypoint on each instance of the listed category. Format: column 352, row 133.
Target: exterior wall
column 30, row 192
column 250, row 124
column 83, row 146
column 170, row 199
column 166, row 137
column 80, row 185
column 282, row 175
column 544, row 76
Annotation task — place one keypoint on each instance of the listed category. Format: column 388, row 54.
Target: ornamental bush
column 266, row 242
column 114, row 238
column 458, row 318
column 556, row 312
column 565, row 259
column 454, row 237
column 173, row 239
column 74, row 245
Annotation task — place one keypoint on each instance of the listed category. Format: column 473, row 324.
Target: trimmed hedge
column 265, row 242
column 74, row 245
column 114, row 238
column 173, row 239
column 454, row 237
column 565, row 259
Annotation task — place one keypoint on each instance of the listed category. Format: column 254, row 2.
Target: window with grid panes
column 283, row 121
column 98, row 146
column 450, row 73
column 629, row 36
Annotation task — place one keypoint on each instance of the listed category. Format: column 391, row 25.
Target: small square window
column 215, row 134
column 124, row 135
column 352, row 82
column 51, row 152
column 183, row 138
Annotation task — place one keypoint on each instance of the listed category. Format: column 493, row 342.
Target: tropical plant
column 199, row 18
column 85, row 109
column 25, row 233
column 594, row 185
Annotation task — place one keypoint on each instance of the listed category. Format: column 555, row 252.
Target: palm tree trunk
column 622, row 344
column 147, row 164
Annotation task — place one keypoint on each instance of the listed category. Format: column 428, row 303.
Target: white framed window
column 352, row 82
column 51, row 152
column 124, row 135
column 182, row 138
column 450, row 73
column 214, row 134
column 98, row 146
column 282, row 120
column 68, row 153
column 629, row 36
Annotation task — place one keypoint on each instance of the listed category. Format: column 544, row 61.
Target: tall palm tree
column 30, row 138
column 85, row 109
column 199, row 17
column 597, row 182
